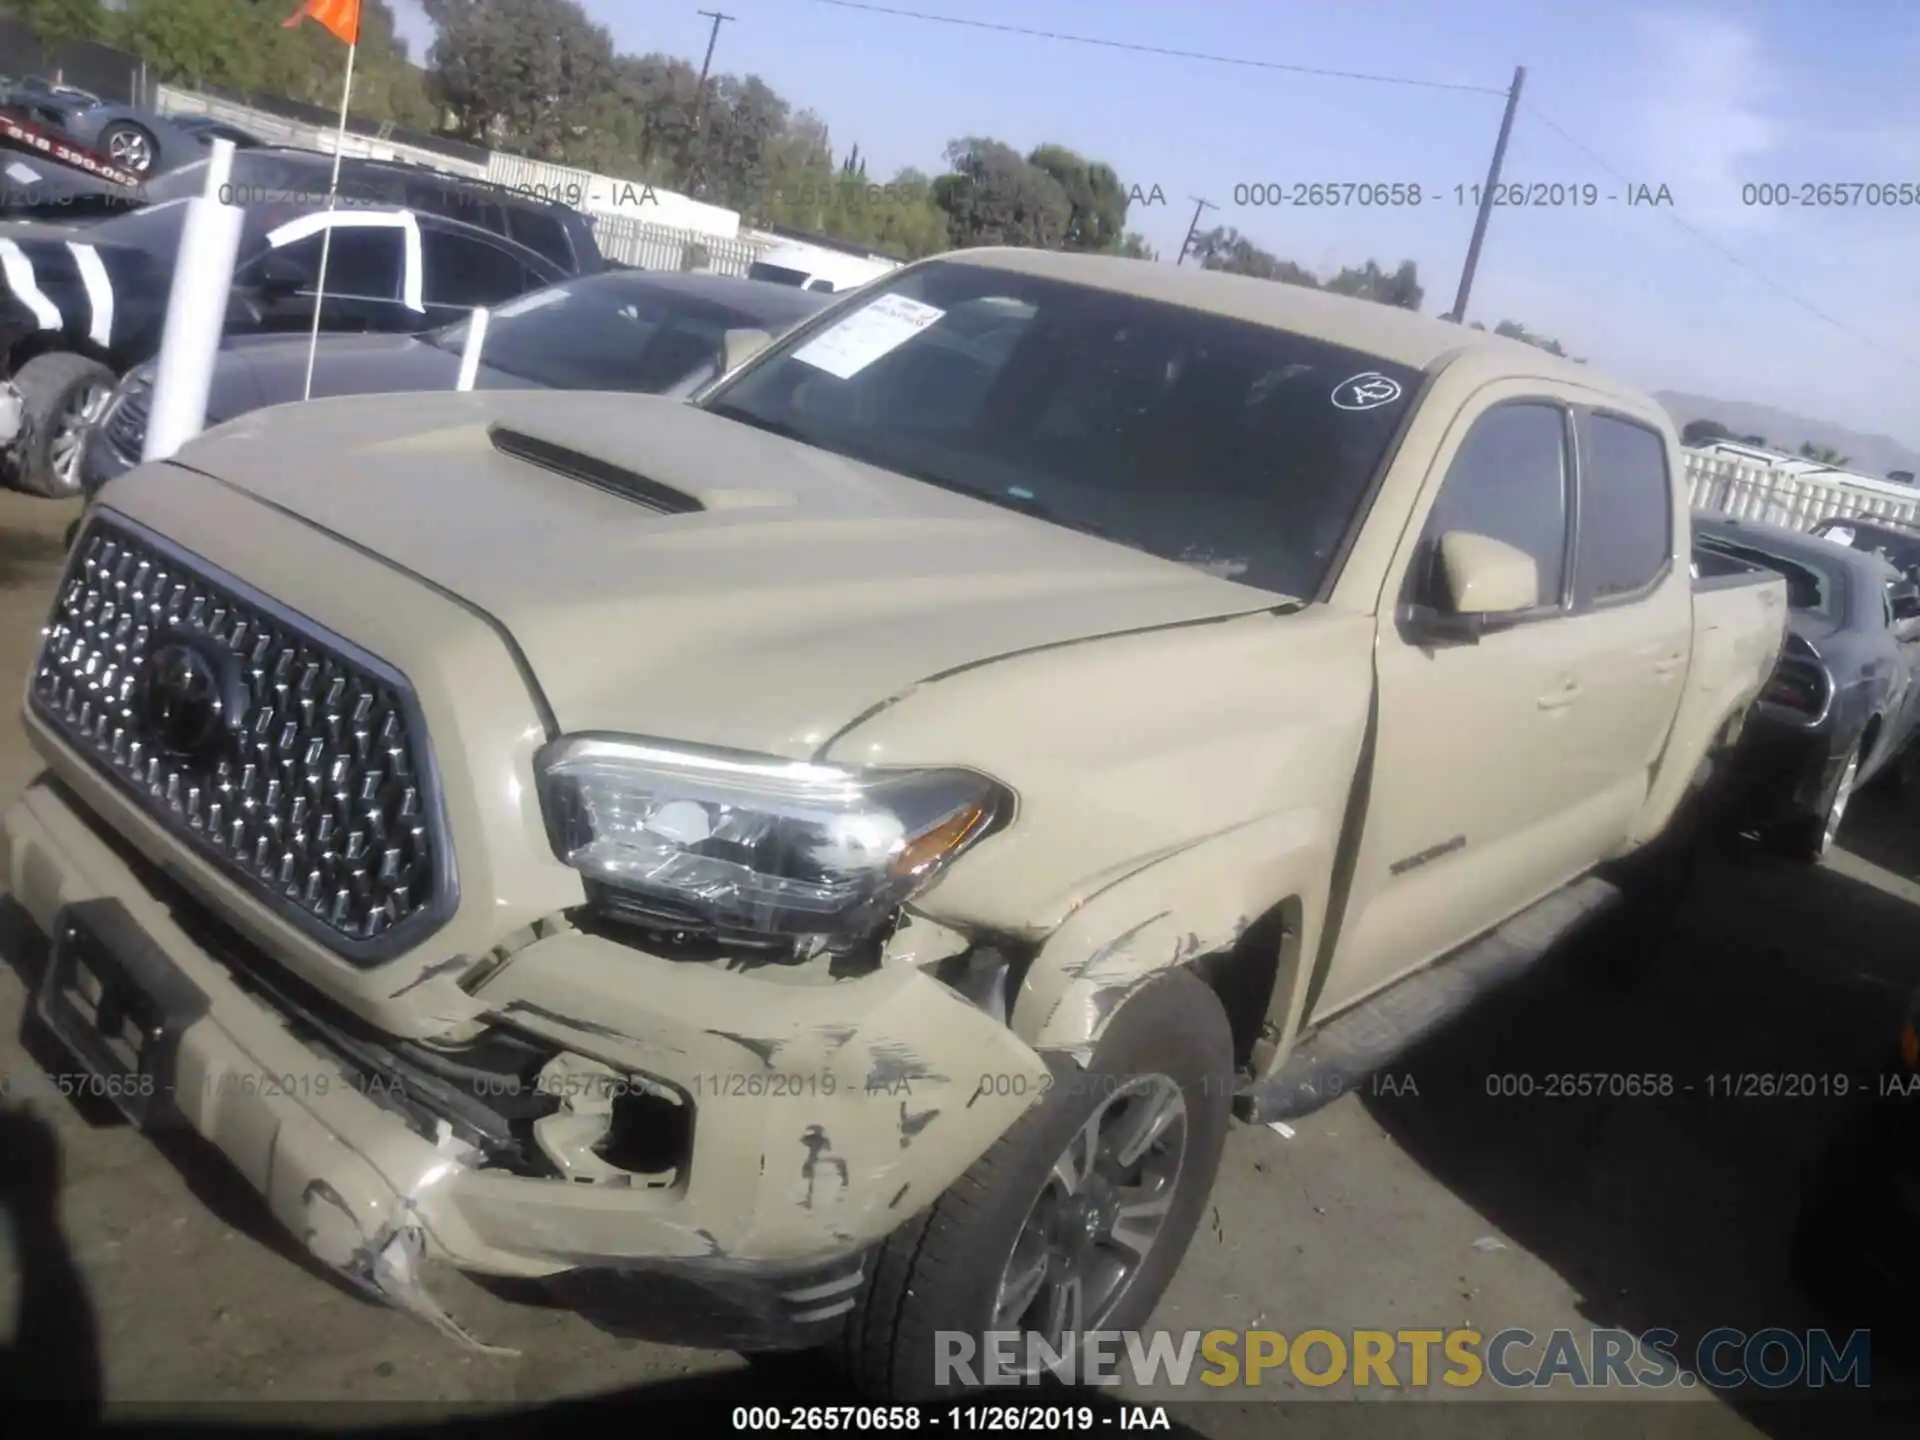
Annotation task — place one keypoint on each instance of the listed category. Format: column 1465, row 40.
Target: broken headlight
column 754, row 847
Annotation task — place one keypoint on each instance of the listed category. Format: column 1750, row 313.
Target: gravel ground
column 1433, row 1206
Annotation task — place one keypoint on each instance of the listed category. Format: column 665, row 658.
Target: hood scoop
column 592, row 470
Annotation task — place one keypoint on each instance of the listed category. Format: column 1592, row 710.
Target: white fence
column 605, row 195
column 1749, row 491
column 278, row 130
column 658, row 247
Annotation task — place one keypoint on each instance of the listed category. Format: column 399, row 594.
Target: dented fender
column 824, row 1113
column 1198, row 902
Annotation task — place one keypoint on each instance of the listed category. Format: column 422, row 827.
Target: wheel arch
column 1239, row 910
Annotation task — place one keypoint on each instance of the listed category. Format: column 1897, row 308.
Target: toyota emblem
column 181, row 702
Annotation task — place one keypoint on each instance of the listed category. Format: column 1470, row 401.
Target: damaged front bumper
column 778, row 1129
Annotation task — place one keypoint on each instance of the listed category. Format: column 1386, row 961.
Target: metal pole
column 1459, row 315
column 700, row 98
column 326, row 235
column 1198, row 206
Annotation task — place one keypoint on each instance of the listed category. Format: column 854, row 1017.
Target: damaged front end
column 727, row 1076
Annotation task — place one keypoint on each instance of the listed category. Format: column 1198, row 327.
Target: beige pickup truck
column 841, row 851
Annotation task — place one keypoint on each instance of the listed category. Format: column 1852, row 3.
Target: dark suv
column 272, row 174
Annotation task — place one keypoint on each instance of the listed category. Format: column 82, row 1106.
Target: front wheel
column 1074, row 1221
column 65, row 394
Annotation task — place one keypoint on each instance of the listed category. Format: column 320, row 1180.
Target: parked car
column 648, row 333
column 285, row 176
column 100, row 293
column 1896, row 544
column 848, row 844
column 1841, row 708
column 813, row 267
column 138, row 140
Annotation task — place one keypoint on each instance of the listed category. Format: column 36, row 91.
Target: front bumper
column 763, row 1228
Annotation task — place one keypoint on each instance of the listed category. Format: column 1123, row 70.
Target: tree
column 1759, row 442
column 1370, row 282
column 1900, row 477
column 525, row 74
column 55, row 22
column 994, row 197
column 1096, row 200
column 1225, row 248
column 1704, row 432
column 1823, row 454
column 1133, row 246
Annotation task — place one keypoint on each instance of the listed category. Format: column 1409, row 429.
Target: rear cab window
column 1625, row 542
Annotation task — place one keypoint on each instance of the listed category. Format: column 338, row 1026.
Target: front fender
column 1198, row 902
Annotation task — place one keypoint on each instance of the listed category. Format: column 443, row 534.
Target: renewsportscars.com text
column 1603, row 1359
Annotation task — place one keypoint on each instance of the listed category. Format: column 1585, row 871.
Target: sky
column 1813, row 309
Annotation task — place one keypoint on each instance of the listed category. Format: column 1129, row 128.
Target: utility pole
column 1459, row 315
column 700, row 100
column 1199, row 205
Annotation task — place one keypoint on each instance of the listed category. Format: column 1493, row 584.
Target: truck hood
column 808, row 589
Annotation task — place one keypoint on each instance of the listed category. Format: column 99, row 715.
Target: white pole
column 326, row 235
column 196, row 312
column 470, row 352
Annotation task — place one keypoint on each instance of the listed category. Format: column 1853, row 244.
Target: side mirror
column 1482, row 579
column 741, row 346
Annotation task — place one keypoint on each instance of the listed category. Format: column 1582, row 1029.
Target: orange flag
column 342, row 17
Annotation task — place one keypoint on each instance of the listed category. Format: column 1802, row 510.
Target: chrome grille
column 296, row 762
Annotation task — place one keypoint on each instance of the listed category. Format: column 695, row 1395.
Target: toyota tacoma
column 847, row 847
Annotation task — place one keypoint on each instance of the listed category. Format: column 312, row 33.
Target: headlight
column 752, row 848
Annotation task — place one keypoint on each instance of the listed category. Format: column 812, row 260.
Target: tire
column 130, row 146
column 1808, row 838
column 65, row 393
column 943, row 1270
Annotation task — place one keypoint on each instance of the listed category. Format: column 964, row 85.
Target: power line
column 1724, row 253
column 1138, row 49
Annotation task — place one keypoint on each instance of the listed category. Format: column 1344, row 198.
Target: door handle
column 1568, row 692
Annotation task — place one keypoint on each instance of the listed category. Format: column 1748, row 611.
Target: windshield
column 1900, row 551
column 1813, row 588
column 604, row 332
column 1236, row 448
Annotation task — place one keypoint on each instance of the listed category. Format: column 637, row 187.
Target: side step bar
column 1341, row 1054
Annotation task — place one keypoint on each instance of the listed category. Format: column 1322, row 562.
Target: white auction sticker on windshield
column 867, row 334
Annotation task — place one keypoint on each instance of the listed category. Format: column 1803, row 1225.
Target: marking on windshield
column 1366, row 391
column 863, row 337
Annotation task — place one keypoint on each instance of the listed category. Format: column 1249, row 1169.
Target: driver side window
column 1508, row 481
column 363, row 263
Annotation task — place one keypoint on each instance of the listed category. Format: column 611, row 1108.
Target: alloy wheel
column 68, row 443
column 1837, row 811
column 1098, row 1215
column 131, row 149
